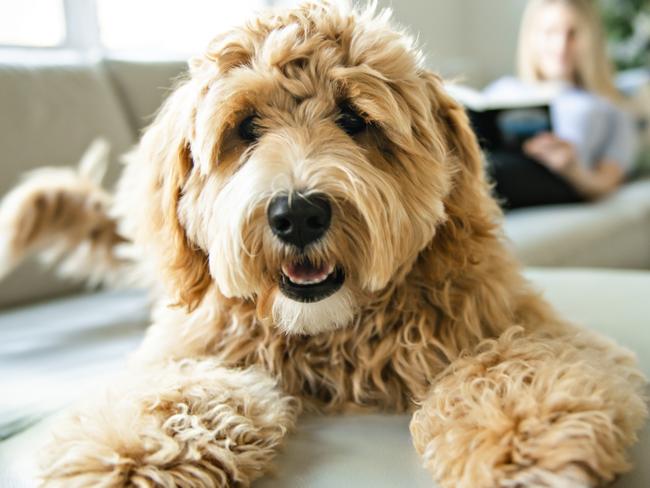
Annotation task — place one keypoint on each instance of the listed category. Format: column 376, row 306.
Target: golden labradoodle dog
column 312, row 208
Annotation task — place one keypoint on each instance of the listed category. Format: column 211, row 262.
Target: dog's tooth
column 313, row 281
column 304, row 281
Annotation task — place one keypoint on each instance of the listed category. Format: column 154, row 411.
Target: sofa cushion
column 143, row 85
column 613, row 233
column 50, row 352
column 53, row 108
column 373, row 451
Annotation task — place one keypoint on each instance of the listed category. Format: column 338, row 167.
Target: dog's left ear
column 162, row 164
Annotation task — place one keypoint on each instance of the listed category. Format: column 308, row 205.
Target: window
column 168, row 27
column 164, row 26
column 175, row 26
column 35, row 23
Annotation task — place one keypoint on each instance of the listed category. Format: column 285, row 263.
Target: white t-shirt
column 597, row 128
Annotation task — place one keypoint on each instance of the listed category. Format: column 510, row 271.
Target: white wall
column 490, row 30
column 472, row 39
column 435, row 24
column 433, row 21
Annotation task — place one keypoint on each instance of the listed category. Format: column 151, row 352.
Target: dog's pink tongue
column 305, row 272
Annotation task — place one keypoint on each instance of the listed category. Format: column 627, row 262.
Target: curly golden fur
column 434, row 316
column 61, row 213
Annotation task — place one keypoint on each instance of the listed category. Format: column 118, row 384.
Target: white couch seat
column 353, row 451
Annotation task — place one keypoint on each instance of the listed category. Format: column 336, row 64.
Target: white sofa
column 612, row 233
column 52, row 108
column 75, row 349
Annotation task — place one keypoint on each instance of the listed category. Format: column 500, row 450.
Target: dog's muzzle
column 300, row 220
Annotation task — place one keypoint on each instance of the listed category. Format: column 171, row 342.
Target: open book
column 504, row 123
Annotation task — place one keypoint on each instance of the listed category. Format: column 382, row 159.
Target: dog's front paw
column 524, row 412
column 189, row 424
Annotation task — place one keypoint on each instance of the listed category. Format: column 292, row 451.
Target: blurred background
column 471, row 38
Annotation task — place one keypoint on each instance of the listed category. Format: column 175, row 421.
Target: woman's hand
column 558, row 155
column 561, row 157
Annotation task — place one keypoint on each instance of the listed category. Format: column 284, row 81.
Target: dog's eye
column 350, row 121
column 248, row 129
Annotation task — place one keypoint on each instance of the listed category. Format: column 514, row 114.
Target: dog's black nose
column 299, row 220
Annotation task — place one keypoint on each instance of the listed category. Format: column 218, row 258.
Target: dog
column 311, row 207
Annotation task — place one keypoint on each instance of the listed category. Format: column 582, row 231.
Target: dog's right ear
column 157, row 174
column 459, row 137
column 473, row 213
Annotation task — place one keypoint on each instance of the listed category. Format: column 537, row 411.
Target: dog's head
column 305, row 163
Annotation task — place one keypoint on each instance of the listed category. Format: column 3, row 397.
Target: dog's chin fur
column 331, row 313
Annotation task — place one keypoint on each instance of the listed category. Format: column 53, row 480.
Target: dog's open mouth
column 306, row 282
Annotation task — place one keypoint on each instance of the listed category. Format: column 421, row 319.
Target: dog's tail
column 61, row 215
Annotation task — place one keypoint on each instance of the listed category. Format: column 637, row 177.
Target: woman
column 592, row 145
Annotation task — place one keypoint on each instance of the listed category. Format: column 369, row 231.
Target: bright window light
column 38, row 23
column 177, row 26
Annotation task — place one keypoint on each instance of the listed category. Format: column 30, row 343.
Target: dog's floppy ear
column 473, row 213
column 164, row 161
column 451, row 118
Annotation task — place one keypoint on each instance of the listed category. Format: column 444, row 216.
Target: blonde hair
column 594, row 71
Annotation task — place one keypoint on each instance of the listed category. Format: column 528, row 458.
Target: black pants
column 523, row 182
